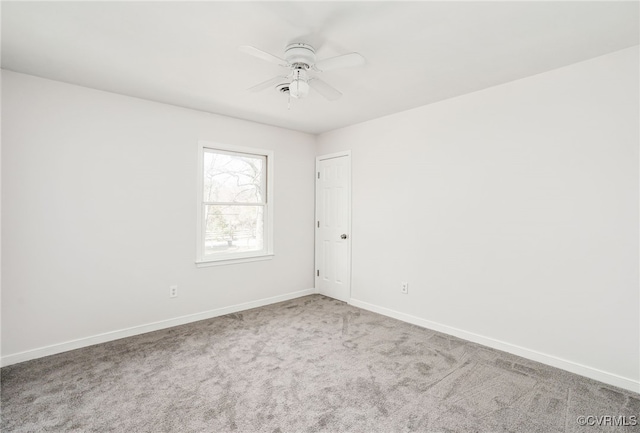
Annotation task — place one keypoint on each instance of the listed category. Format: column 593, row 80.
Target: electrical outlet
column 173, row 291
column 404, row 287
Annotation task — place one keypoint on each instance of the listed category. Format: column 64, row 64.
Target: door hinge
column 318, row 224
column 318, row 175
column 318, row 273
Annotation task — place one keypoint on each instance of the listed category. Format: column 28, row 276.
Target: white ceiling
column 186, row 53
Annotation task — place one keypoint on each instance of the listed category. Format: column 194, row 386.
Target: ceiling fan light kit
column 299, row 87
column 300, row 58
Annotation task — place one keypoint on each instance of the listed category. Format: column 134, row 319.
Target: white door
column 333, row 225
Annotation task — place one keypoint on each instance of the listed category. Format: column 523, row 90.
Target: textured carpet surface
column 307, row 365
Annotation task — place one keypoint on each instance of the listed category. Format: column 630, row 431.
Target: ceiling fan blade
column 343, row 61
column 253, row 51
column 269, row 83
column 324, row 89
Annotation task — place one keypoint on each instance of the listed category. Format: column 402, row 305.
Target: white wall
column 513, row 214
column 99, row 213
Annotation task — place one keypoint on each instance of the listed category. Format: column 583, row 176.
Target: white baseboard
column 573, row 367
column 142, row 329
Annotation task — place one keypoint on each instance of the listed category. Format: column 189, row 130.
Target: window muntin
column 234, row 209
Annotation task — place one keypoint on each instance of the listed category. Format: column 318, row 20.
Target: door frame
column 347, row 154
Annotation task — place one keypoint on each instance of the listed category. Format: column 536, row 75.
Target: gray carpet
column 308, row 365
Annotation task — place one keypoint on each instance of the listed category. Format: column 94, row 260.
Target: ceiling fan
column 300, row 59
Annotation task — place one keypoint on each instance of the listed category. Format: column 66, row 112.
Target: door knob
column 343, row 236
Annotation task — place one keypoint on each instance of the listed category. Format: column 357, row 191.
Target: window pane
column 233, row 229
column 233, row 178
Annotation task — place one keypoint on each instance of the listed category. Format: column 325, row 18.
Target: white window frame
column 226, row 259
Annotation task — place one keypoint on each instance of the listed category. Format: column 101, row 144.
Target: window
column 235, row 211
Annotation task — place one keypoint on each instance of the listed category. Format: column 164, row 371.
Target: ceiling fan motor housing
column 300, row 53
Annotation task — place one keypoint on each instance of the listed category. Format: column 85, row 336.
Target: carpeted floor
column 307, row 365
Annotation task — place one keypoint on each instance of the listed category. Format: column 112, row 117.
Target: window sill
column 232, row 261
